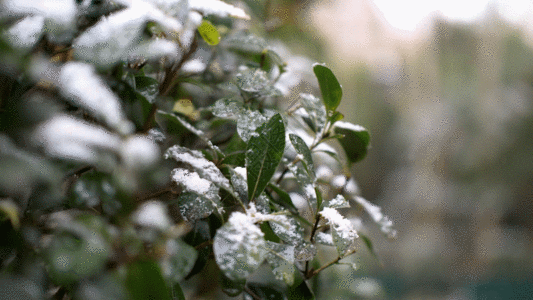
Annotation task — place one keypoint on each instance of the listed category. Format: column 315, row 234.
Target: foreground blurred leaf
column 144, row 281
column 209, row 33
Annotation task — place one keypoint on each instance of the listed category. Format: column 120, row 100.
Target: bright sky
column 406, row 14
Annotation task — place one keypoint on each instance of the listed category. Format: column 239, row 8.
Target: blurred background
column 446, row 90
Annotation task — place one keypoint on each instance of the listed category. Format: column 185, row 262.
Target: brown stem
column 171, row 73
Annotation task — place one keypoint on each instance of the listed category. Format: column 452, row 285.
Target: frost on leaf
column 375, row 212
column 206, row 169
column 256, row 81
column 80, row 84
column 281, row 259
column 217, row 8
column 227, row 108
column 248, row 122
column 315, row 110
column 338, row 202
column 342, row 230
column 239, row 247
column 238, row 180
column 305, row 251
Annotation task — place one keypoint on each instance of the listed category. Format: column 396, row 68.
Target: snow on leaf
column 324, row 239
column 239, row 183
column 355, row 140
column 217, row 8
column 139, row 152
column 26, row 32
column 194, row 206
column 375, row 212
column 248, row 122
column 281, row 259
column 263, row 155
column 239, row 247
column 80, row 84
column 66, row 137
column 227, row 108
column 338, row 202
column 302, row 149
column 205, row 168
column 343, row 231
column 305, row 251
column 152, row 214
column 290, row 232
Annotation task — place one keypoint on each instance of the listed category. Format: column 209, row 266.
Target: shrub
column 143, row 140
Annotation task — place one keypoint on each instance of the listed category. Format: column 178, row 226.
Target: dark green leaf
column 144, row 281
column 284, row 198
column 232, row 288
column 265, row 292
column 368, row 244
column 177, row 292
column 355, row 142
column 209, row 33
column 329, row 87
column 181, row 261
column 301, row 148
column 263, row 155
column 300, row 292
column 147, row 87
column 336, row 116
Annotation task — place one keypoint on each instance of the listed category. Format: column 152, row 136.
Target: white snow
column 26, row 32
column 342, row 226
column 191, row 181
column 375, row 212
column 217, row 8
column 324, row 238
column 66, row 137
column 338, row 181
column 349, row 126
column 152, row 214
column 338, row 202
column 80, row 83
column 139, row 152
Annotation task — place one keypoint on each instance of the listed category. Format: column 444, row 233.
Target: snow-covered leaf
column 291, row 232
column 66, row 137
column 239, row 247
column 263, row 155
column 152, row 214
column 338, row 202
column 355, row 142
column 256, row 81
column 139, row 152
column 281, row 259
column 194, row 206
column 26, row 33
column 238, row 180
column 342, row 230
column 375, row 212
column 227, row 108
column 205, row 168
column 305, row 251
column 80, row 84
column 245, row 42
column 217, row 8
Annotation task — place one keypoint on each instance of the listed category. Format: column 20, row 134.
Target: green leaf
column 263, row 155
column 368, row 244
column 239, row 247
column 342, row 231
column 76, row 251
column 338, row 202
column 209, row 33
column 177, row 292
column 264, row 292
column 248, row 122
column 355, row 142
column 227, row 108
column 300, row 292
column 301, row 148
column 284, row 198
column 329, row 87
column 194, row 207
column 292, row 234
column 336, row 116
column 147, row 87
column 144, row 281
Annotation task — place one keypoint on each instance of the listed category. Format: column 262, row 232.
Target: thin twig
column 251, row 293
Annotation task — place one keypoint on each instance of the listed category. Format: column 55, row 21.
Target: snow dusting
column 217, row 8
column 191, row 181
column 341, row 225
column 349, row 126
column 375, row 212
column 26, row 32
